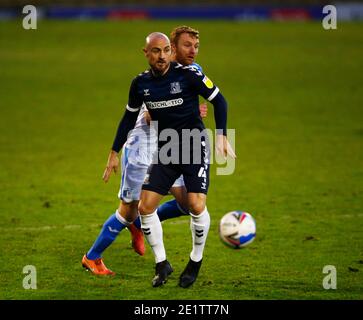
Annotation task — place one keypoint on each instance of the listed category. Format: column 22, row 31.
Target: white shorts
column 133, row 175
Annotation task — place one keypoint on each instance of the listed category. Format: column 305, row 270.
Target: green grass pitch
column 295, row 99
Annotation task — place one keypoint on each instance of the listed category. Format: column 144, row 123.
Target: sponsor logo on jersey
column 164, row 104
column 175, row 88
column 208, row 82
column 146, row 92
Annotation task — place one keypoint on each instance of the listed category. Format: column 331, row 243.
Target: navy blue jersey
column 172, row 99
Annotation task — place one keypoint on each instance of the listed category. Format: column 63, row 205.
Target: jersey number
column 202, row 172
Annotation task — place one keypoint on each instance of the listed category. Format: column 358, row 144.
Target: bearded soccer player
column 170, row 92
column 136, row 157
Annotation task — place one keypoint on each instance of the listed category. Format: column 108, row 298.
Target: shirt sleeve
column 135, row 100
column 202, row 84
column 209, row 91
column 129, row 118
column 220, row 113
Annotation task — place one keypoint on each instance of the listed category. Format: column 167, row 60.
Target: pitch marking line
column 181, row 221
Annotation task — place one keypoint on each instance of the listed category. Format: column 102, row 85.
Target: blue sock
column 110, row 230
column 170, row 209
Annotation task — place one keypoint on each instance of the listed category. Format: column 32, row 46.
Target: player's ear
column 145, row 51
column 173, row 48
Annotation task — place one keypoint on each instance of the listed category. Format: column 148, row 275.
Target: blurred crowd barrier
column 163, row 9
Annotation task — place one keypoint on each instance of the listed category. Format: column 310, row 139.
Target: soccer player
column 170, row 92
column 136, row 157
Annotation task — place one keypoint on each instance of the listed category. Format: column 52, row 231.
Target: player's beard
column 185, row 59
column 161, row 70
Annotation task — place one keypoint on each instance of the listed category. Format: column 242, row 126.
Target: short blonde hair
column 178, row 31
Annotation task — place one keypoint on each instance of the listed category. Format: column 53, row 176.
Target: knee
column 197, row 207
column 145, row 208
column 128, row 210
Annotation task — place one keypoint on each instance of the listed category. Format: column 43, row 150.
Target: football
column 237, row 229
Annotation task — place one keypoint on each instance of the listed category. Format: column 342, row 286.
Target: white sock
column 199, row 225
column 151, row 226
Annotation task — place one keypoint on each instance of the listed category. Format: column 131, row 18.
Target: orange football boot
column 96, row 266
column 137, row 239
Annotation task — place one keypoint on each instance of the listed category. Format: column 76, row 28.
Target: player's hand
column 112, row 164
column 223, row 148
column 203, row 109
